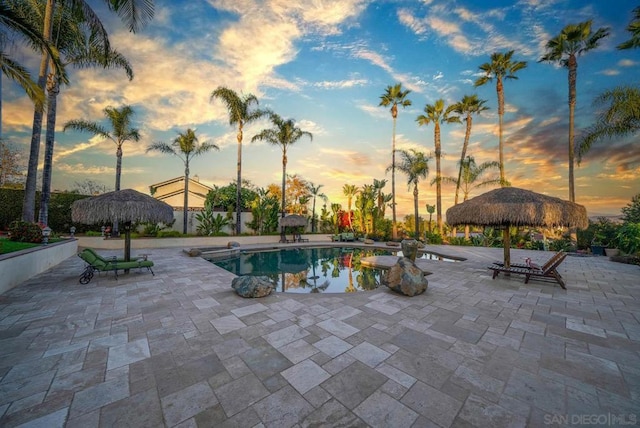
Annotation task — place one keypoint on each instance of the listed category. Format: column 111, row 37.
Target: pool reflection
column 309, row 270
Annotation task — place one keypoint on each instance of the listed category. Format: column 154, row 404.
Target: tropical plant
column 265, row 212
column 619, row 116
column 121, row 132
column 134, row 12
column 430, row 210
column 437, row 113
column 315, row 193
column 634, row 29
column 394, row 96
column 628, row 238
column 415, row 165
column 573, row 41
column 186, row 146
column 80, row 47
column 501, row 67
column 284, row 133
column 241, row 113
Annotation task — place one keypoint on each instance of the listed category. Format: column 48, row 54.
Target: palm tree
column 430, row 209
column 394, row 96
column 350, row 191
column 134, row 12
column 634, row 29
column 121, row 132
column 240, row 113
column 284, row 133
column 437, row 114
column 81, row 48
column 468, row 106
column 186, row 146
column 315, row 193
column 573, row 41
column 471, row 174
column 415, row 165
column 15, row 18
column 501, row 67
column 620, row 117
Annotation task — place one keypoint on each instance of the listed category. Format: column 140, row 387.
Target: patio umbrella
column 124, row 206
column 293, row 220
column 510, row 206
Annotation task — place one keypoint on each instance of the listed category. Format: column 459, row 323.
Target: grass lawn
column 8, row 246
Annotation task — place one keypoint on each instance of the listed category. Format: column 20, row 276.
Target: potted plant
column 597, row 247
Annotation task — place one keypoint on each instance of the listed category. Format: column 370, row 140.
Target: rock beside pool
column 233, row 244
column 405, row 278
column 194, row 252
column 252, row 286
column 369, row 241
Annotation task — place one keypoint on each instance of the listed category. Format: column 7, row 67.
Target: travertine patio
column 181, row 349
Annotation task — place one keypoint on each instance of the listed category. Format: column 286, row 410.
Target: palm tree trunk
column 573, row 75
column 415, row 209
column 500, row 90
column 53, row 88
column 29, row 202
column 465, row 144
column 313, row 216
column 438, row 181
column 186, row 198
column 573, row 71
column 393, row 181
column 116, row 231
column 239, row 182
column 284, row 181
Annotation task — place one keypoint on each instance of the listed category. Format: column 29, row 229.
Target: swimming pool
column 309, row 270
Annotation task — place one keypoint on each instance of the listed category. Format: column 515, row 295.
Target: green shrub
column 23, row 231
column 92, row 233
column 169, row 234
column 460, row 240
column 628, row 238
column 432, row 238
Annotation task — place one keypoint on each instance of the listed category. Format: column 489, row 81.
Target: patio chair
column 96, row 262
column 530, row 265
column 548, row 272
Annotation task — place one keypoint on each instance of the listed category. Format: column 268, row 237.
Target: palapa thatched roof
column 293, row 220
column 511, row 206
column 122, row 206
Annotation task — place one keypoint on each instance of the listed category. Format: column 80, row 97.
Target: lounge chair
column 96, row 262
column 530, row 265
column 548, row 272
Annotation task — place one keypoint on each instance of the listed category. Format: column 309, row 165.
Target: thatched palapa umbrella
column 293, row 220
column 510, row 206
column 124, row 206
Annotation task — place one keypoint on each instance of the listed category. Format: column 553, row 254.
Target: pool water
column 309, row 270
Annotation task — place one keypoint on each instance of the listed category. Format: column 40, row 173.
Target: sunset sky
column 326, row 63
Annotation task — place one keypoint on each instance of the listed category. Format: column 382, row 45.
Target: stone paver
column 180, row 349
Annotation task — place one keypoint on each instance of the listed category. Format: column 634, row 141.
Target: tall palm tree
column 121, row 132
column 394, row 96
column 186, row 146
column 79, row 47
column 634, row 29
column 284, row 133
column 501, row 67
column 415, row 165
column 573, row 41
column 315, row 193
column 471, row 178
column 134, row 12
column 438, row 113
column 241, row 112
column 350, row 191
column 467, row 107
